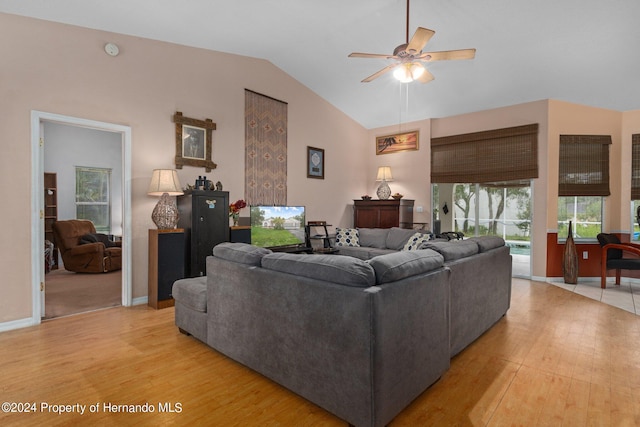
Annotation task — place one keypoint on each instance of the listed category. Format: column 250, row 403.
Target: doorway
column 53, row 123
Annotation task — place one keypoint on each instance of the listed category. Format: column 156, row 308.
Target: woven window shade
column 584, row 165
column 635, row 167
column 501, row 155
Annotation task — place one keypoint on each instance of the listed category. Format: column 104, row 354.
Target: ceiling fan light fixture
column 403, row 73
column 406, row 73
column 417, row 70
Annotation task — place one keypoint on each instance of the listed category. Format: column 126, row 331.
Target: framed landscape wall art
column 315, row 163
column 193, row 142
column 398, row 142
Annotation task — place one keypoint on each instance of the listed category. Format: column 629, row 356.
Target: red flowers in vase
column 234, row 210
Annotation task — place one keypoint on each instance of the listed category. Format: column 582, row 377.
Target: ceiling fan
column 408, row 57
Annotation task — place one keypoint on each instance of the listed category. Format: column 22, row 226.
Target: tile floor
column 626, row 296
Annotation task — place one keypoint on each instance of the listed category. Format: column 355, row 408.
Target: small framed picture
column 399, row 142
column 194, row 142
column 193, row 146
column 315, row 163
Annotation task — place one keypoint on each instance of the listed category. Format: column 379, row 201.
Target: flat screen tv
column 277, row 226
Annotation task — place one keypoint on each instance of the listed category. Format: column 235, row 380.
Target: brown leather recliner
column 85, row 257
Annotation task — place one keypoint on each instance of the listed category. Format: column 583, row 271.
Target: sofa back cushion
column 347, row 237
column 454, row 249
column 343, row 270
column 373, row 237
column 486, row 243
column 399, row 265
column 242, row 253
column 398, row 237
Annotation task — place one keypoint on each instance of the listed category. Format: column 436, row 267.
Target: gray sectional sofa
column 365, row 243
column 361, row 339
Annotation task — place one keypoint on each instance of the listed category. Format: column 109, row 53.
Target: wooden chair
column 613, row 257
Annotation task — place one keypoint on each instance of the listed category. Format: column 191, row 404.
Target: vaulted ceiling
column 581, row 51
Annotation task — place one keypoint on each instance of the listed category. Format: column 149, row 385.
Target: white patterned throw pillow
column 415, row 242
column 347, row 237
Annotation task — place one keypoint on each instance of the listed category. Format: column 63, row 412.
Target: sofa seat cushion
column 486, row 243
column 347, row 237
column 373, row 237
column 191, row 293
column 343, row 270
column 399, row 265
column 242, row 253
column 454, row 249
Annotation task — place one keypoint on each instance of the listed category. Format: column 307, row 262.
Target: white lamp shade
column 384, row 174
column 165, row 181
column 408, row 72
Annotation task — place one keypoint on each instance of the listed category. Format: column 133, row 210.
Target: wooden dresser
column 383, row 213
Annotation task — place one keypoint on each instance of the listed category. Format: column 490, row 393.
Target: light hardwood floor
column 556, row 359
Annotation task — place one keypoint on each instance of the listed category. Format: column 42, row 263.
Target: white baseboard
column 16, row 324
column 140, row 301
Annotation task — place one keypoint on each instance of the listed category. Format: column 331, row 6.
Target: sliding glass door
column 496, row 210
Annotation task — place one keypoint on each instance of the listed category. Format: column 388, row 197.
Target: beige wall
column 572, row 119
column 630, row 126
column 411, row 169
column 63, row 69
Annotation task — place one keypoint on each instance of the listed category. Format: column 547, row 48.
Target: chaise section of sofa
column 360, row 339
column 480, row 285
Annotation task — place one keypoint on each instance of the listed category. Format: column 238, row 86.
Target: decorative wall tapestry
column 265, row 150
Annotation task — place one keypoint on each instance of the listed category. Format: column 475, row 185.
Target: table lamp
column 165, row 183
column 384, row 175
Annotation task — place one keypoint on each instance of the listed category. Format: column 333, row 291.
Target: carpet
column 68, row 293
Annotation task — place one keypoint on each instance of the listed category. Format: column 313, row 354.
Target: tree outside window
column 93, row 197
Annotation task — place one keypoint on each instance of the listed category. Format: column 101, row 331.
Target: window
column 585, row 212
column 583, row 181
column 93, row 197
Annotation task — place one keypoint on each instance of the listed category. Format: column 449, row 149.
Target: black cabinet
column 204, row 215
column 240, row 233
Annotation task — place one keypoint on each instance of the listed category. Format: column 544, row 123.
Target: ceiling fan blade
column 448, row 55
column 419, row 39
column 379, row 73
column 425, row 77
column 370, row 55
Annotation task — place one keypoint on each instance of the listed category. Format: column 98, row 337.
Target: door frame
column 37, row 203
